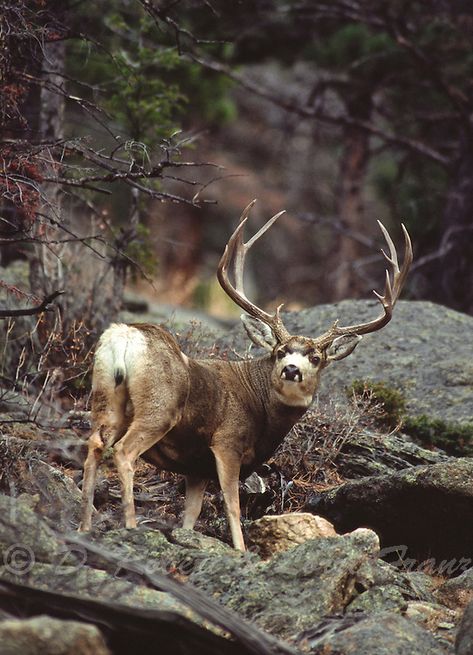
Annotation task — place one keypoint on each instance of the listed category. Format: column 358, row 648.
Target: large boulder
column 296, row 588
column 43, row 635
column 420, row 511
column 382, row 634
column 273, row 534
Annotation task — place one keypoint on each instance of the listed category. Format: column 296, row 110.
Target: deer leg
column 109, row 424
column 94, row 455
column 228, row 471
column 195, row 488
column 138, row 439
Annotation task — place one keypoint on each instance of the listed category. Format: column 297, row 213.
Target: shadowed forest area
column 133, row 134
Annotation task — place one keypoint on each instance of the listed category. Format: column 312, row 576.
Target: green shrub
column 454, row 438
column 390, row 401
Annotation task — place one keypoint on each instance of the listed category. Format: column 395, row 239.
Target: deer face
column 297, row 361
column 297, row 365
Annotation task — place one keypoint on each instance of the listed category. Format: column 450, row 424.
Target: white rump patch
column 121, row 348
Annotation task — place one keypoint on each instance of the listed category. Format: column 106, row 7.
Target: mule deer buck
column 212, row 418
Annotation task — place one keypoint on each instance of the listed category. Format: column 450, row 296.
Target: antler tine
column 408, row 257
column 392, row 289
column 235, row 253
column 238, row 249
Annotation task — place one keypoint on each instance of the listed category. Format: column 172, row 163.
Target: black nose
column 291, row 372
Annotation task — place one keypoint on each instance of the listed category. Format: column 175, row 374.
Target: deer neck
column 256, row 376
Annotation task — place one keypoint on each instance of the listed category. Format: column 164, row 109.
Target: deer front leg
column 195, row 488
column 228, row 470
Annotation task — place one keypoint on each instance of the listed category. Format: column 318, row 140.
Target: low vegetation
column 454, row 438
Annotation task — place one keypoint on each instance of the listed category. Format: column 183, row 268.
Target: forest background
column 134, row 132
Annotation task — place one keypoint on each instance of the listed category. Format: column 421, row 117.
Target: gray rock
column 85, row 581
column 295, row 588
column 464, row 638
column 379, row 599
column 44, row 635
column 423, row 584
column 384, row 633
column 434, row 617
column 367, row 453
column 134, row 544
column 180, row 551
column 190, row 539
column 381, row 586
column 25, row 538
column 25, row 471
column 419, row 512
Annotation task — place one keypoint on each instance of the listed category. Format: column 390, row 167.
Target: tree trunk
column 349, row 204
column 46, row 270
column 451, row 276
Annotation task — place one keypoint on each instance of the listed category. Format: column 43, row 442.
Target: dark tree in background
column 393, row 79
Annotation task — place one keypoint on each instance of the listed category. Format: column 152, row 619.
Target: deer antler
column 235, row 252
column 392, row 290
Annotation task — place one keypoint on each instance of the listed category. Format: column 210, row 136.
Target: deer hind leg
column 94, row 456
column 108, row 420
column 228, row 470
column 195, row 488
column 139, row 438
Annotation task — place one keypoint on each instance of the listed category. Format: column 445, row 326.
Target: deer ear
column 342, row 347
column 259, row 333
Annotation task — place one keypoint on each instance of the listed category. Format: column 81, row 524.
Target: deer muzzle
column 291, row 373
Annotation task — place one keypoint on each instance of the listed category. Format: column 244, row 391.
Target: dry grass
column 307, row 458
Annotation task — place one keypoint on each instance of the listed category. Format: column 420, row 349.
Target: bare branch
column 317, row 113
column 45, row 306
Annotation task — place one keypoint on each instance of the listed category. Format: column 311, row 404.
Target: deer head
column 298, row 360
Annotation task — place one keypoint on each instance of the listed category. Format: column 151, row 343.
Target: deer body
column 211, row 418
column 219, row 396
column 217, row 406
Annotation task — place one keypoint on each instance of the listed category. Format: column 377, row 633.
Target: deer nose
column 292, row 373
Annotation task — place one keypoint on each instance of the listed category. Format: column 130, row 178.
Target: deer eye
column 280, row 354
column 314, row 359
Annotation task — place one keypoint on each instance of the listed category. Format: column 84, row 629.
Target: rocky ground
column 394, row 576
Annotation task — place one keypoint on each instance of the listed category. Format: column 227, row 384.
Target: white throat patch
column 293, row 395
